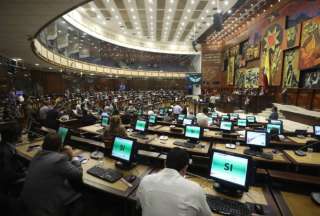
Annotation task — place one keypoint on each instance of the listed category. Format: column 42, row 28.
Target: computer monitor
column 256, row 140
column 316, row 130
column 187, row 121
column 214, row 115
column 105, row 121
column 194, row 133
column 161, row 111
column 234, row 116
column 225, row 117
column 275, row 122
column 19, row 93
column 181, row 117
column 242, row 123
column 141, row 125
column 124, row 151
column 231, row 172
column 152, row 119
column 277, row 127
column 62, row 133
column 170, row 110
column 251, row 119
column 226, row 125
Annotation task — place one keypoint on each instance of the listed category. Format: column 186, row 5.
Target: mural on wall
column 253, row 51
column 291, row 72
column 310, row 44
column 271, row 53
column 311, row 79
column 251, row 78
column 292, row 37
column 240, row 78
column 230, row 72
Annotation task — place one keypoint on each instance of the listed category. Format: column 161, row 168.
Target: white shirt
column 177, row 109
column 167, row 193
column 202, row 120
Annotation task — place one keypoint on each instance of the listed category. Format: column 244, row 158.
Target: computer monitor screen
column 105, row 121
column 141, row 125
column 226, row 125
column 275, row 122
column 230, row 168
column 242, row 122
column 193, row 132
column 152, row 119
column 251, row 119
column 62, row 133
column 316, row 130
column 214, row 115
column 187, row 121
column 210, row 121
column 181, row 117
column 170, row 110
column 256, row 138
column 234, row 116
column 19, row 93
column 161, row 111
column 122, row 148
column 225, row 117
column 272, row 126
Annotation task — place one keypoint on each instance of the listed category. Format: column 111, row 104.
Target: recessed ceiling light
column 208, row 24
column 131, row 9
column 120, row 23
column 134, row 17
column 150, row 10
column 50, row 68
column 170, row 10
column 63, row 22
column 189, row 10
column 229, row 11
column 136, row 23
column 117, row 17
column 219, row 10
column 93, row 9
column 202, row 18
column 185, row 17
column 192, row 1
column 112, row 9
column 150, row 1
column 36, row 64
column 226, row 2
column 171, row 1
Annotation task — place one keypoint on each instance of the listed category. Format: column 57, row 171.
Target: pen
column 127, row 183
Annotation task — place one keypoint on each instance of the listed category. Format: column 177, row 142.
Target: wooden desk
column 118, row 188
column 311, row 159
column 92, row 129
column 260, row 195
column 301, row 140
column 293, row 204
column 279, row 157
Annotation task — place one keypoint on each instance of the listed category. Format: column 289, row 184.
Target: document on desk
column 242, row 133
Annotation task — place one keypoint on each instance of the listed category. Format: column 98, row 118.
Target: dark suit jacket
column 47, row 188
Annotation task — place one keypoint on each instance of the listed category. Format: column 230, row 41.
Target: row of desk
column 275, row 202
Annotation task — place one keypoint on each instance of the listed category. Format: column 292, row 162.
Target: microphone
column 299, row 151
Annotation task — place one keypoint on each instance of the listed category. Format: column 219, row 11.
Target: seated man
column 47, row 189
column 169, row 193
column 202, row 118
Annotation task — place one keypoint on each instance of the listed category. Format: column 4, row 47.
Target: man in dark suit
column 47, row 190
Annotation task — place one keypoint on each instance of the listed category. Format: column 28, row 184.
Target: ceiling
column 167, row 26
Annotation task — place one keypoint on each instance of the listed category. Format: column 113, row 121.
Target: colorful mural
column 271, row 54
column 251, row 78
column 291, row 72
column 310, row 44
column 311, row 79
column 230, row 72
column 240, row 78
column 292, row 37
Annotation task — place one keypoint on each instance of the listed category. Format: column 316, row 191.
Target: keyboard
column 139, row 136
column 264, row 155
column 184, row 144
column 109, row 175
column 227, row 207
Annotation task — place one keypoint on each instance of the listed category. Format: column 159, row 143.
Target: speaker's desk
column 118, row 188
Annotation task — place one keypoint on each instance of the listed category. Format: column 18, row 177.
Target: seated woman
column 114, row 129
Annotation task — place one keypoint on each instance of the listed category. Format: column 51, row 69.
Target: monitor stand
column 124, row 165
column 227, row 190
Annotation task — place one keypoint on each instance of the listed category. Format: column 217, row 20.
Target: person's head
column 115, row 122
column 274, row 109
column 52, row 142
column 178, row 159
column 205, row 110
column 10, row 134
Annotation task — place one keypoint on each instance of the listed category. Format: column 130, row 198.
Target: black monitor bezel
column 191, row 138
column 314, row 131
column 281, row 128
column 146, row 128
column 257, row 146
column 224, row 129
column 133, row 152
column 227, row 183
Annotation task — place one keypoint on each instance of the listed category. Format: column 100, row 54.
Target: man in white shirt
column 168, row 193
column 177, row 109
column 202, row 118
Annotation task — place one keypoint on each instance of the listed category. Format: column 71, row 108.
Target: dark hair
column 177, row 159
column 275, row 108
column 205, row 110
column 11, row 133
column 52, row 142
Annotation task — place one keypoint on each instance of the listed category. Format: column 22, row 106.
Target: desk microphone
column 301, row 153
